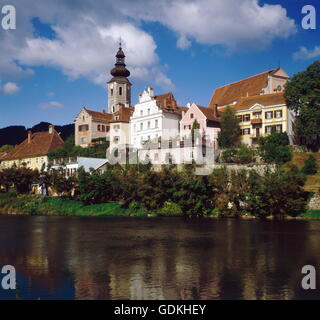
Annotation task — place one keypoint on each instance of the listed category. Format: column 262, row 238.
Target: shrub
column 242, row 155
column 275, row 148
column 310, row 166
column 229, row 155
column 245, row 154
column 171, row 209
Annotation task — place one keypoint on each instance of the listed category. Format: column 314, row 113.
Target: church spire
column 119, row 87
column 120, row 69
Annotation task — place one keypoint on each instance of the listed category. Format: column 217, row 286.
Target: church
column 258, row 101
column 154, row 116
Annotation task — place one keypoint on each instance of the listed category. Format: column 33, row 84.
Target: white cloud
column 51, row 104
column 306, row 54
column 87, row 34
column 183, row 42
column 240, row 23
column 51, row 94
column 10, row 88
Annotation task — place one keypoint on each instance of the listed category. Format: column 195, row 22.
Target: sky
column 59, row 57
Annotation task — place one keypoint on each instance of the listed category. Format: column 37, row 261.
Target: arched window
column 120, row 91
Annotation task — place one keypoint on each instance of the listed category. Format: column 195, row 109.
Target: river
column 157, row 258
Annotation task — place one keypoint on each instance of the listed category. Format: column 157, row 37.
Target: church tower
column 119, row 87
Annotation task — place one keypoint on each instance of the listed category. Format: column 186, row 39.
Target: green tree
column 310, row 166
column 229, row 135
column 302, row 94
column 275, row 148
column 6, row 148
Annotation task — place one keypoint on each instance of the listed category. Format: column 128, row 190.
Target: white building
column 154, row 117
column 120, row 128
column 71, row 166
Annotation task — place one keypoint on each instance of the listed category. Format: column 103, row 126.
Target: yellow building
column 260, row 115
column 33, row 152
column 259, row 103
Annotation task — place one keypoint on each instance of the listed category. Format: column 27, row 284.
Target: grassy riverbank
column 48, row 206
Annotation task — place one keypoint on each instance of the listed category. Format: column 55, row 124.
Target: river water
column 158, row 258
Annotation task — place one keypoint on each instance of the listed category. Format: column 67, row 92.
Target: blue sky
column 54, row 63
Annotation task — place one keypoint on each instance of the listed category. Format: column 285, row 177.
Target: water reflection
column 85, row 258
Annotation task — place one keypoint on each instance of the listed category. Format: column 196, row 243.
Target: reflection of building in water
column 160, row 258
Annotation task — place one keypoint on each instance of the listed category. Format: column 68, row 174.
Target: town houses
column 158, row 118
column 158, row 129
column 33, row 152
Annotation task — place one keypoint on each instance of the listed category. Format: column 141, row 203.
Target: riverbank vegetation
column 141, row 190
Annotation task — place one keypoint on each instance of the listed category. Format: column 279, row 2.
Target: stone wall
column 314, row 203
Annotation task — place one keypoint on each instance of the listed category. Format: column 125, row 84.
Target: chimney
column 51, row 127
column 150, row 91
column 215, row 110
column 29, row 136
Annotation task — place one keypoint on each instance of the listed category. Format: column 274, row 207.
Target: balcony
column 256, row 121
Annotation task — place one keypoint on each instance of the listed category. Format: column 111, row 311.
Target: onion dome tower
column 119, row 87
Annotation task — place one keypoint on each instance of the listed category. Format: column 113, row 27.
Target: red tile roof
column 209, row 113
column 99, row 116
column 264, row 99
column 232, row 92
column 2, row 155
column 124, row 115
column 41, row 143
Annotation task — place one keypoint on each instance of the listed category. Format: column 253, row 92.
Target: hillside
column 14, row 135
column 313, row 182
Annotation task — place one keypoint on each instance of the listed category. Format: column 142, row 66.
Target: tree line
column 174, row 191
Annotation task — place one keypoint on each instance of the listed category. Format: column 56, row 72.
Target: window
column 268, row 129
column 103, row 128
column 269, row 115
column 156, row 123
column 239, row 118
column 148, row 111
column 149, row 124
column 111, row 91
column 279, row 128
column 156, row 156
column 141, row 126
column 83, row 140
column 141, row 113
column 246, row 117
column 113, row 109
column 134, row 127
column 84, row 127
column 120, row 91
column 278, row 114
column 99, row 127
column 191, row 115
column 257, row 115
column 246, row 131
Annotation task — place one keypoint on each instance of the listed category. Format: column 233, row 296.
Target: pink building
column 208, row 120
